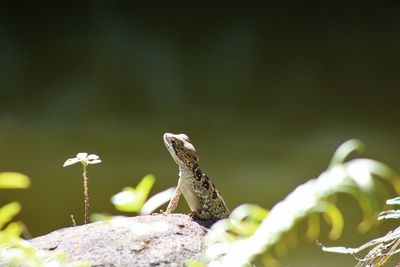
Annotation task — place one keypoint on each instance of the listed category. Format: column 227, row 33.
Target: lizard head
column 182, row 151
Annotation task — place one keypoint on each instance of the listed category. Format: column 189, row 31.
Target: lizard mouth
column 167, row 141
column 170, row 147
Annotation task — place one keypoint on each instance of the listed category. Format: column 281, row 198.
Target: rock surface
column 154, row 240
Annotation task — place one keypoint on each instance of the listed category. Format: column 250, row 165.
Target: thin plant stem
column 86, row 193
column 73, row 220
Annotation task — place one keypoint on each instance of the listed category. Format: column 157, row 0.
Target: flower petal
column 71, row 161
column 81, row 155
column 92, row 157
column 95, row 161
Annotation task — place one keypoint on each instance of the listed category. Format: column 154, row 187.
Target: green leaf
column 361, row 173
column 132, row 199
column 313, row 228
column 157, row 200
column 251, row 211
column 13, row 180
column 342, row 250
column 145, row 186
column 345, row 149
column 97, row 217
column 8, row 211
column 389, row 214
column 336, row 220
column 368, row 204
column 126, row 200
column 193, row 263
column 10, row 234
column 393, row 201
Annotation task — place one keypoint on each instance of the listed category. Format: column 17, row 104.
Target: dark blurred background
column 266, row 92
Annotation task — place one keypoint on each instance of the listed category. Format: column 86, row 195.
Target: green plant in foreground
column 135, row 200
column 85, row 160
column 15, row 251
column 251, row 231
column 383, row 248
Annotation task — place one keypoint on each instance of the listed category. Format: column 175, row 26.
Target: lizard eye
column 173, row 141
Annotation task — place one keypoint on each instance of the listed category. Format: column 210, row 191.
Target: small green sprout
column 132, row 199
column 85, row 159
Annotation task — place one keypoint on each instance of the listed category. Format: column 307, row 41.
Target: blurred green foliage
column 14, row 180
column 260, row 86
column 236, row 242
column 250, row 230
column 132, row 199
column 15, row 251
column 135, row 200
column 383, row 248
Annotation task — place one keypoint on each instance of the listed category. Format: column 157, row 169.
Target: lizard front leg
column 173, row 203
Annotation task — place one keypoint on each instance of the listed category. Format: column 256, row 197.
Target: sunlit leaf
column 126, row 200
column 291, row 239
column 353, row 177
column 361, row 174
column 145, row 185
column 157, row 200
column 221, row 226
column 132, row 199
column 389, row 214
column 193, row 263
column 368, row 204
column 97, row 217
column 393, row 201
column 376, row 243
column 246, row 219
column 13, row 180
column 313, row 229
column 11, row 232
column 396, row 184
column 8, row 211
column 220, row 231
column 376, row 168
column 342, row 250
column 269, row 260
column 254, row 212
column 336, row 220
column 345, row 149
column 281, row 248
column 243, row 229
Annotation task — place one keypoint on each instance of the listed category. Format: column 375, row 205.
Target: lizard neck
column 190, row 172
column 185, row 172
column 188, row 182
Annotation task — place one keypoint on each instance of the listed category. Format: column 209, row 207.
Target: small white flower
column 81, row 155
column 84, row 158
column 71, row 161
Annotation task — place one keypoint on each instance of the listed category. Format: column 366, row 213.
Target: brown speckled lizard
column 199, row 191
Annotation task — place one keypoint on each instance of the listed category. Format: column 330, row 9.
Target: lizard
column 199, row 191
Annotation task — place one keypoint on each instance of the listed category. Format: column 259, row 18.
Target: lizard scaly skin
column 199, row 191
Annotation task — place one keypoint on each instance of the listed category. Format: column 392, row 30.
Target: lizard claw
column 158, row 213
column 165, row 213
column 194, row 215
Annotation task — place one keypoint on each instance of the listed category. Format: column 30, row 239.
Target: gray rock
column 154, row 240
